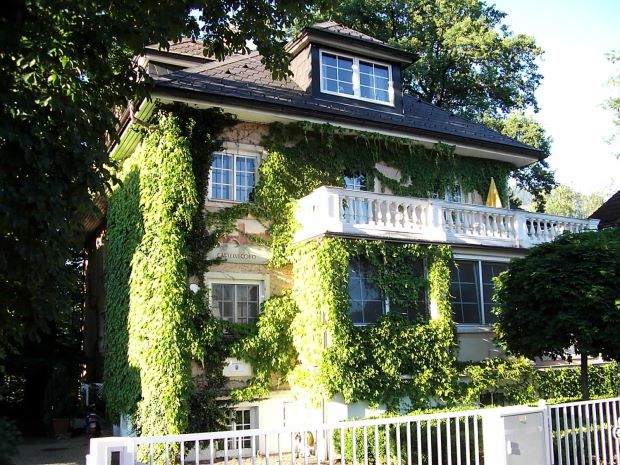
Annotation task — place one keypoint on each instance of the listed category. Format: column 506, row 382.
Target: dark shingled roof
column 609, row 212
column 186, row 46
column 244, row 80
column 343, row 34
column 334, row 27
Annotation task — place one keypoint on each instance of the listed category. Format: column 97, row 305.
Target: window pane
column 366, row 80
column 382, row 72
column 471, row 314
column 367, row 302
column 372, row 311
column 226, row 311
column 345, row 63
column 367, row 92
column 355, row 312
column 489, row 317
column 370, row 292
column 242, row 312
column 382, row 95
column 381, row 83
column 490, row 270
column 366, row 68
column 469, row 293
column 329, row 60
column 465, row 292
column 345, row 76
column 467, row 271
column 330, row 85
column 330, row 72
column 344, row 88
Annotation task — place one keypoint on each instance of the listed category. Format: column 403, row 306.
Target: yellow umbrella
column 493, row 199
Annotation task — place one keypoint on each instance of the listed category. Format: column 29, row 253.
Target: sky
column 575, row 35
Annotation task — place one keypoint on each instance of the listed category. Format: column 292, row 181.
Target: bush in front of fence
column 515, row 380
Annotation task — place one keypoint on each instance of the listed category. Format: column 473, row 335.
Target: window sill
column 472, row 329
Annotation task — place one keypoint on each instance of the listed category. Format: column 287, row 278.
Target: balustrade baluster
column 501, row 225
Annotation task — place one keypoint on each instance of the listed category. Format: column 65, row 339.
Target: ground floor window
column 471, row 290
column 238, row 303
column 368, row 303
column 243, row 419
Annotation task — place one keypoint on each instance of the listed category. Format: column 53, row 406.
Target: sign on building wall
column 235, row 253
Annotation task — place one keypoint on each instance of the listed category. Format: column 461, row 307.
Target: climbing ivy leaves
column 154, row 325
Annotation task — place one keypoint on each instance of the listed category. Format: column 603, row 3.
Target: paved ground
column 49, row 451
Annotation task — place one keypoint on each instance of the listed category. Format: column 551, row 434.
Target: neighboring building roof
column 609, row 212
column 244, row 80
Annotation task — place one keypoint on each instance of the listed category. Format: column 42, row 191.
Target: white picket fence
column 570, row 434
column 585, row 432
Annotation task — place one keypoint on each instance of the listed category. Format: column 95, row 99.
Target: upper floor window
column 471, row 288
column 233, row 177
column 454, row 194
column 357, row 78
column 355, row 210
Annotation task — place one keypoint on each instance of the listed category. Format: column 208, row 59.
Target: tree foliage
column 470, row 62
column 537, row 179
column 613, row 103
column 565, row 201
column 564, row 293
column 64, row 66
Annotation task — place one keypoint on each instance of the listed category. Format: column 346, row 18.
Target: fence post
column 547, row 429
column 102, row 449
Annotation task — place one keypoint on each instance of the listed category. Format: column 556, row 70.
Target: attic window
column 357, row 78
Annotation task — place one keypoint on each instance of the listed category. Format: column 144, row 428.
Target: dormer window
column 358, row 78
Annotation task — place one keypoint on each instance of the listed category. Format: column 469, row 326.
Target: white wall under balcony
column 340, row 211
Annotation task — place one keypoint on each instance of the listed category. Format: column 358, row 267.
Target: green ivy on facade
column 158, row 235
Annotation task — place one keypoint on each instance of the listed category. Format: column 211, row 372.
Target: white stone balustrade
column 334, row 210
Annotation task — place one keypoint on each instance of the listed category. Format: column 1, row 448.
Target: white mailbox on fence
column 515, row 436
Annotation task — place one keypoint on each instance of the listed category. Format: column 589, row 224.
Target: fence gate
column 585, row 433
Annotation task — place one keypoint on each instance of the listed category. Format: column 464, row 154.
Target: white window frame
column 234, row 154
column 253, row 424
column 483, row 325
column 356, row 78
column 238, row 278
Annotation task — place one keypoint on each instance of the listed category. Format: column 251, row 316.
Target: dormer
column 333, row 62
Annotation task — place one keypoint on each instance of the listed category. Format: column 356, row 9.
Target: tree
column 613, row 103
column 566, row 201
column 564, row 293
column 537, row 179
column 470, row 63
column 65, row 65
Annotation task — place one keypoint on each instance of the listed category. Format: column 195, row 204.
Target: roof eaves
column 289, row 107
column 403, row 56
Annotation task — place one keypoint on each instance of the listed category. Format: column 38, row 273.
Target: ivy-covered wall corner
column 154, row 325
column 382, row 363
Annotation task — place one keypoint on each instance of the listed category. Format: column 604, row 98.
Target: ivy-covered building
column 325, row 242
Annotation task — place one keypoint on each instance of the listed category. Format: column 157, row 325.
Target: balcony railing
column 341, row 211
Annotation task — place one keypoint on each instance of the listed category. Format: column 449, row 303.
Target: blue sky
column 575, row 35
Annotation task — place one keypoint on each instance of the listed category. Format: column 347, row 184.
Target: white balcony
column 333, row 210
